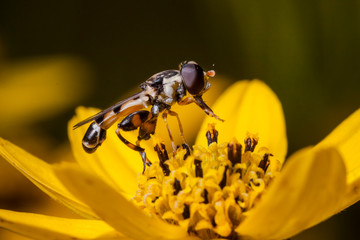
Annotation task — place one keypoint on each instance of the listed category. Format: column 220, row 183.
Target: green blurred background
column 307, row 51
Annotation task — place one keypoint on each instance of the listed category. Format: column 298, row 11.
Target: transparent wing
column 102, row 113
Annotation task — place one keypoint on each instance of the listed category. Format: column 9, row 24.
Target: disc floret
column 210, row 190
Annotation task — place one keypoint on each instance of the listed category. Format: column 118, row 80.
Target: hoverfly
column 159, row 93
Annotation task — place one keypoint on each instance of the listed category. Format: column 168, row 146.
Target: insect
column 159, row 93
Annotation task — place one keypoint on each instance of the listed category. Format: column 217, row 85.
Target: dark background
column 306, row 51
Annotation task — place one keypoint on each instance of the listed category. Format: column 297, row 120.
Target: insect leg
column 186, row 101
column 200, row 102
column 127, row 143
column 132, row 122
column 164, row 115
column 134, row 147
column 172, row 113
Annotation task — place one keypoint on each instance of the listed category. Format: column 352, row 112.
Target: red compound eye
column 193, row 78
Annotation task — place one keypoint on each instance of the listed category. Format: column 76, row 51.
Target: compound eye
column 193, row 78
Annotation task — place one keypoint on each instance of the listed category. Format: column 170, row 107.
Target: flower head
column 230, row 185
column 209, row 190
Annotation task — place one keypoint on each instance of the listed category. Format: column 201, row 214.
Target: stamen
column 222, row 184
column 186, row 213
column 177, row 186
column 188, row 151
column 205, row 195
column 234, row 152
column 250, row 144
column 211, row 134
column 198, row 168
column 264, row 163
column 207, row 190
column 163, row 156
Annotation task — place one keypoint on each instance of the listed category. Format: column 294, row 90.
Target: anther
column 163, row 156
column 234, row 152
column 222, row 184
column 250, row 144
column 264, row 163
column 186, row 212
column 255, row 142
column 198, row 168
column 188, row 151
column 212, row 133
column 213, row 223
column 177, row 186
column 205, row 196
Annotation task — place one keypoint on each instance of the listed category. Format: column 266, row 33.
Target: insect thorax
column 166, row 85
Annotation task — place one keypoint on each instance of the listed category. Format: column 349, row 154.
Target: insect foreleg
column 172, row 113
column 186, row 101
column 200, row 102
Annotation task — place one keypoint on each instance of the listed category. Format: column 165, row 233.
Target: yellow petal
column 113, row 161
column 42, row 175
column 250, row 106
column 37, row 226
column 346, row 138
column 351, row 196
column 307, row 192
column 115, row 209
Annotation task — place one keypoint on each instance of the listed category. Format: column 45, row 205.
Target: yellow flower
column 218, row 191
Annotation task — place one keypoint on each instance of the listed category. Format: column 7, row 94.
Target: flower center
column 209, row 190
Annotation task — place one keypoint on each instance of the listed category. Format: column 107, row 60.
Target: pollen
column 208, row 190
